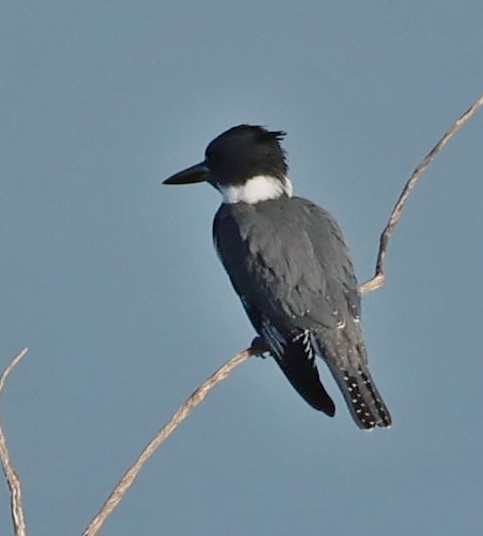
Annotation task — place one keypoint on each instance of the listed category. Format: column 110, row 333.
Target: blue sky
column 112, row 281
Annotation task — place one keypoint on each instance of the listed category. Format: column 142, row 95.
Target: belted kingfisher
column 287, row 261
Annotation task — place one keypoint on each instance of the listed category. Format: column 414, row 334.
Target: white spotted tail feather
column 345, row 355
column 363, row 399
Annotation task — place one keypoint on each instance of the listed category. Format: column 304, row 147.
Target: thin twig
column 196, row 397
column 13, row 480
column 379, row 278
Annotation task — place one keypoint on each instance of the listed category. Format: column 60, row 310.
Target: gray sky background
column 112, row 281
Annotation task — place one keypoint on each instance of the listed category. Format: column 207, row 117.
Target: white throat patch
column 256, row 189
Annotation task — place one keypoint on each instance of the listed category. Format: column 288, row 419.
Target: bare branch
column 379, row 278
column 196, row 397
column 13, row 480
column 258, row 347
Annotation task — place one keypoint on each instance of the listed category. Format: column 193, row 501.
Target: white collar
column 256, row 189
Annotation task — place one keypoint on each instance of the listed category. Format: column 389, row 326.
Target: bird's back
column 287, row 256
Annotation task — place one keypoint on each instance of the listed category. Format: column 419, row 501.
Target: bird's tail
column 363, row 399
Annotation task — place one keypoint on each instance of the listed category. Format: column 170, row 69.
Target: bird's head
column 246, row 164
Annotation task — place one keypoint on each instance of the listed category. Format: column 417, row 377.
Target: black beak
column 198, row 173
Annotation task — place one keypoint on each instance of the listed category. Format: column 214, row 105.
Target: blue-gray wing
column 289, row 261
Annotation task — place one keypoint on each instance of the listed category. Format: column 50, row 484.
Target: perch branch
column 196, row 397
column 379, row 278
column 13, row 480
column 257, row 346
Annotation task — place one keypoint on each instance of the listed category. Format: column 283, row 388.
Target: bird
column 288, row 262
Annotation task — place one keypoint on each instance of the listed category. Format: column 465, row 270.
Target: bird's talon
column 259, row 346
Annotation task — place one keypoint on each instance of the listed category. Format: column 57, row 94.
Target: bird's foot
column 259, row 347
